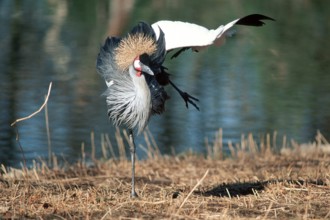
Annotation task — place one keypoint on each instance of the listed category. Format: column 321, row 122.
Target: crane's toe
column 189, row 99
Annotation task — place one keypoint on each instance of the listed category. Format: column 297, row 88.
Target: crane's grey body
column 132, row 104
column 128, row 97
column 133, row 70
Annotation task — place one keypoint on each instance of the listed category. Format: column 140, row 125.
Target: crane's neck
column 142, row 99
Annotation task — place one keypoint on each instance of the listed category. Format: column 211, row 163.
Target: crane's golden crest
column 131, row 47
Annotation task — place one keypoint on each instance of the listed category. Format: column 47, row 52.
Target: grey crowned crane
column 132, row 67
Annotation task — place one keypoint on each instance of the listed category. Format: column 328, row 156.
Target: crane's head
column 140, row 52
column 141, row 65
column 133, row 46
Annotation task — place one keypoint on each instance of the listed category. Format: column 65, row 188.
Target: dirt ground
column 293, row 184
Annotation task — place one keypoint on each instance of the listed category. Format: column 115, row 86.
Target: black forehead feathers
column 145, row 59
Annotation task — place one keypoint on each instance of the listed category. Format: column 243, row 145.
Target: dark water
column 263, row 79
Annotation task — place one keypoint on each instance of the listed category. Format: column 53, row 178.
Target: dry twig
column 193, row 189
column 36, row 112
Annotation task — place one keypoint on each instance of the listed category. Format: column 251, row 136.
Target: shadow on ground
column 248, row 188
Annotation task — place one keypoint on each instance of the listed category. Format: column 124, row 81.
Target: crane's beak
column 146, row 69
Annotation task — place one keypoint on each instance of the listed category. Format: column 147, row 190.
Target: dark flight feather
column 105, row 63
column 253, row 20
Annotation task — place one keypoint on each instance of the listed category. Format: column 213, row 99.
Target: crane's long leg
column 163, row 79
column 132, row 150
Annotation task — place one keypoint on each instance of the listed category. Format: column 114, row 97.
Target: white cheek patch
column 137, row 65
column 109, row 83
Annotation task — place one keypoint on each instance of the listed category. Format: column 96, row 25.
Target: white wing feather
column 183, row 34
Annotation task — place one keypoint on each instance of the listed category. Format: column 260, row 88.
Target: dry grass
column 253, row 183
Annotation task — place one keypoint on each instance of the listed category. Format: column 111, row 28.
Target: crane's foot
column 186, row 97
column 189, row 99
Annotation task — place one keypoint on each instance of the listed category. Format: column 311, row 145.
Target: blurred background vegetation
column 263, row 79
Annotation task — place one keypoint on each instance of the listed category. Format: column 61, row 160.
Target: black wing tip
column 254, row 20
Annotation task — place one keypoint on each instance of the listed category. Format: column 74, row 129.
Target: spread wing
column 186, row 35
